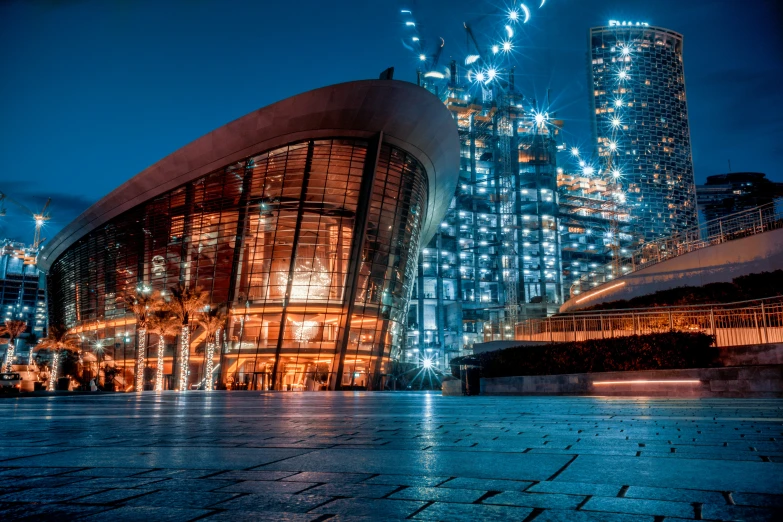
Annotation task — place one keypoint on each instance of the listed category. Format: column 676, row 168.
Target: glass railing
column 735, row 226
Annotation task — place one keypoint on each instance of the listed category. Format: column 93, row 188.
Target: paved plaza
column 382, row 456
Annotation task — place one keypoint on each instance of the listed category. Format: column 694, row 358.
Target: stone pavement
column 363, row 456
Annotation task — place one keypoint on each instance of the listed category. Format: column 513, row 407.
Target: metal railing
column 733, row 324
column 736, row 226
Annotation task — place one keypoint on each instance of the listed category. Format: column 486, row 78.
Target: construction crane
column 472, row 37
column 40, row 218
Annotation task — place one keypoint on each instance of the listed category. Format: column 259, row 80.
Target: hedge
column 661, row 351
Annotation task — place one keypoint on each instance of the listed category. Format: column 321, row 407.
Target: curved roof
column 409, row 117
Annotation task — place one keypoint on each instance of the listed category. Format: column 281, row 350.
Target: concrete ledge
column 744, row 381
column 452, row 387
column 751, row 354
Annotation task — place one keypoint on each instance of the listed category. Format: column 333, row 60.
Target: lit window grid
column 653, row 145
column 202, row 250
column 458, row 269
column 22, row 297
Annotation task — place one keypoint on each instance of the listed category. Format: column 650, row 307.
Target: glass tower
column 640, row 123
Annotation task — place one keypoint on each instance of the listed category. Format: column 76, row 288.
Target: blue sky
column 94, row 91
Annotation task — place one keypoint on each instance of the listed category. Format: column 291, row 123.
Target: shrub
column 672, row 350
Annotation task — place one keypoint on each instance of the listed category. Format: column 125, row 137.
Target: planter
column 63, row 384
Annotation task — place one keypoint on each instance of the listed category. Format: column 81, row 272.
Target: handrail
column 723, row 306
column 735, row 226
column 758, row 321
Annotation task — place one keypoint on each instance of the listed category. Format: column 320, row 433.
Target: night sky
column 93, row 92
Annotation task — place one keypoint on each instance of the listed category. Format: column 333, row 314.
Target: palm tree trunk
column 159, row 370
column 140, row 360
column 53, row 373
column 9, row 354
column 184, row 353
column 209, row 365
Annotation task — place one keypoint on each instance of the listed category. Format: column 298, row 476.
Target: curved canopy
column 409, row 117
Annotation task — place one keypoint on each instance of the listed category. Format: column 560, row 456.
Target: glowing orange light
column 644, row 381
column 599, row 292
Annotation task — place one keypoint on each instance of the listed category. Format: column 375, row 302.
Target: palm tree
column 163, row 324
column 58, row 340
column 212, row 321
column 141, row 301
column 183, row 304
column 14, row 328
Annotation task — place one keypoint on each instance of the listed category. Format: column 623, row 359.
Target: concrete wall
column 492, row 346
column 451, row 387
column 745, row 381
column 751, row 355
column 715, row 264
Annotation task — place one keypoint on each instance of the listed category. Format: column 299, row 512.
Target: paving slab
column 716, row 475
column 660, row 508
column 443, row 511
column 359, row 457
column 163, row 457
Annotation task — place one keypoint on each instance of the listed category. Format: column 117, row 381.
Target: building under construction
column 496, row 256
column 594, row 229
column 22, row 284
column 22, row 292
column 520, row 231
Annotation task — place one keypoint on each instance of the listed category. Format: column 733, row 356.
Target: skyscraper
column 496, row 256
column 640, row 123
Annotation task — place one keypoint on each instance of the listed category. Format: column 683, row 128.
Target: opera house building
column 302, row 219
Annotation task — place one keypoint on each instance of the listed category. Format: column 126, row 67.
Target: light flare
column 527, row 13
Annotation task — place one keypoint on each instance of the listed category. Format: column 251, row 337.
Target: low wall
column 745, row 381
column 451, row 387
column 492, row 346
column 715, row 264
column 751, row 355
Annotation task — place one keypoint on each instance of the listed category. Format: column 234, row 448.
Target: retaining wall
column 750, row 371
column 744, row 381
column 715, row 264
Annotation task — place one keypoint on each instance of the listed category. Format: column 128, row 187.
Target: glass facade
column 641, row 124
column 495, row 258
column 313, row 246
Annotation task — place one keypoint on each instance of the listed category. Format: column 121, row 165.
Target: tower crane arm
column 5, row 197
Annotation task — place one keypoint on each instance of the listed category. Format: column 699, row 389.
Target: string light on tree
column 184, row 358
column 140, row 360
column 53, row 373
column 209, row 369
